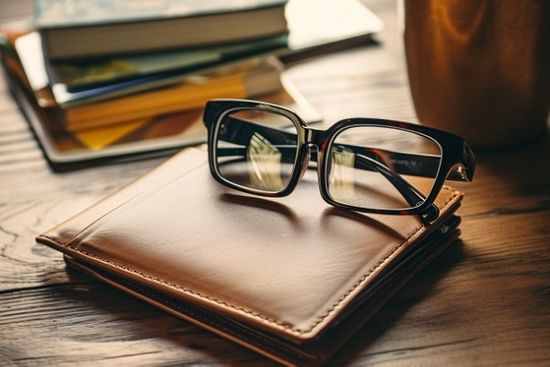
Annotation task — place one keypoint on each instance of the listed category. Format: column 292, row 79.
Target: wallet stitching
column 244, row 334
column 239, row 330
column 249, row 336
column 282, row 324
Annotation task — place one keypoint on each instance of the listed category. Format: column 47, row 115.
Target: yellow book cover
column 253, row 78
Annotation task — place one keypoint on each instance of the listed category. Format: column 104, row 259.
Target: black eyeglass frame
column 456, row 155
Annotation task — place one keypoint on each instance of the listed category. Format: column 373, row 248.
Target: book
column 350, row 23
column 164, row 134
column 291, row 278
column 28, row 49
column 320, row 26
column 79, row 29
column 249, row 79
column 135, row 139
column 329, row 26
column 81, row 74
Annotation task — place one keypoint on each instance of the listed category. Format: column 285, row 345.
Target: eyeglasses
column 363, row 164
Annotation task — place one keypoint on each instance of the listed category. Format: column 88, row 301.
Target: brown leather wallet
column 290, row 278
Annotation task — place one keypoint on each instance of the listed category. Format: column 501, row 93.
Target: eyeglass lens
column 252, row 158
column 382, row 167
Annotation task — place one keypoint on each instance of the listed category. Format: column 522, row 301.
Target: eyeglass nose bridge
column 315, row 137
column 313, row 140
column 311, row 153
column 312, row 145
column 316, row 141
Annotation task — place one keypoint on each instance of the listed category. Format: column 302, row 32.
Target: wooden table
column 485, row 301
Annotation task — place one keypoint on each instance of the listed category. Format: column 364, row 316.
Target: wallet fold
column 290, row 278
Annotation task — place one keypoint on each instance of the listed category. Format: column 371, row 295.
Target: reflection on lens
column 342, row 173
column 382, row 168
column 256, row 149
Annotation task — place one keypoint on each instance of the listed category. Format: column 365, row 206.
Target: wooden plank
column 14, row 128
column 10, row 12
column 20, row 156
column 511, row 181
column 33, row 201
column 484, row 302
column 7, row 106
column 355, row 86
column 10, row 114
column 19, row 145
column 93, row 323
column 22, row 167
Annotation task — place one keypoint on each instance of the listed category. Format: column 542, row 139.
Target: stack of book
column 102, row 79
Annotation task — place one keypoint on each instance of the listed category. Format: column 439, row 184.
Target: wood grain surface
column 485, row 301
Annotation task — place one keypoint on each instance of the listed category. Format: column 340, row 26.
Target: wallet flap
column 290, row 265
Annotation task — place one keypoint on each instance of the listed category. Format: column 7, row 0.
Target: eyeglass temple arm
column 468, row 161
column 365, row 163
column 409, row 192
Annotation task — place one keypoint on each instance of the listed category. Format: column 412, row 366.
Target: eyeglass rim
column 300, row 126
column 454, row 151
column 361, row 122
